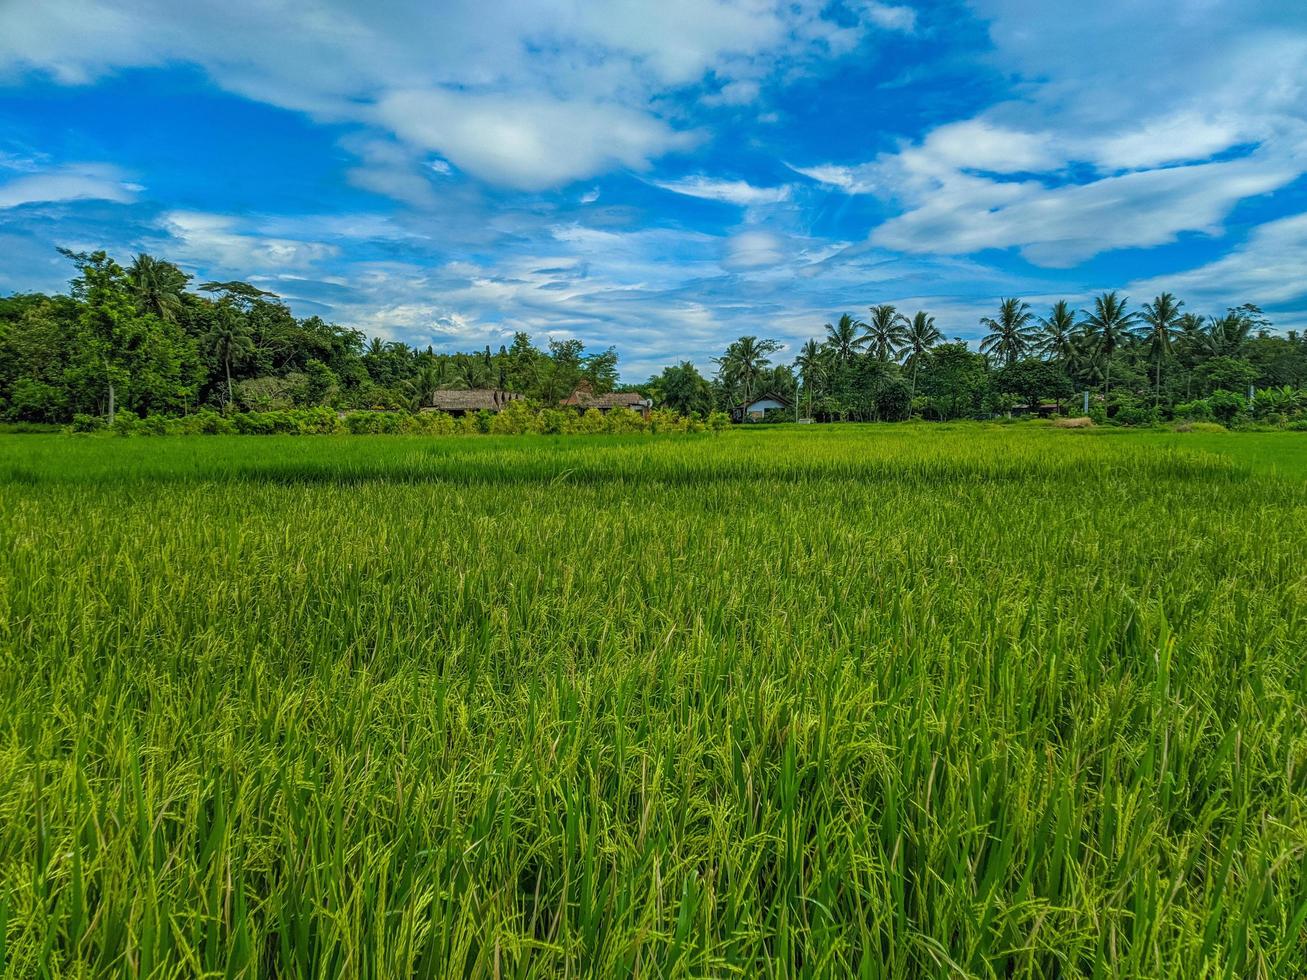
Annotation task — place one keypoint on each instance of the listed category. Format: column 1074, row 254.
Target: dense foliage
column 1030, row 706
column 1139, row 366
column 138, row 339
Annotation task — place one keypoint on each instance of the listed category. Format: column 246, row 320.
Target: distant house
column 1043, row 410
column 584, row 399
column 470, row 400
column 756, row 409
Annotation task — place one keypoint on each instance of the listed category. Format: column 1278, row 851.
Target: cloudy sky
column 663, row 175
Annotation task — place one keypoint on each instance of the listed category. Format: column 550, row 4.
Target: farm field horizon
column 884, row 700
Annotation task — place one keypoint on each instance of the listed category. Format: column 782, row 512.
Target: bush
column 86, row 423
column 592, row 422
column 666, row 420
column 1199, row 410
column 1134, row 415
column 125, row 424
column 1200, row 427
column 374, row 423
column 433, row 423
column 1297, row 425
column 624, row 420
column 1226, row 406
column 1078, row 422
column 155, row 425
column 718, row 421
column 516, row 418
column 557, row 421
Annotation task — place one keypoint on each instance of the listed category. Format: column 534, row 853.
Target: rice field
column 883, row 701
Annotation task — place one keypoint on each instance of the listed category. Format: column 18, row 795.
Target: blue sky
column 668, row 175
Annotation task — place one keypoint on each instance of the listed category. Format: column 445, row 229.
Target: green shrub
column 718, row 421
column 1227, row 406
column 1199, row 410
column 516, row 418
column 1134, row 415
column 624, row 420
column 592, row 422
column 86, row 423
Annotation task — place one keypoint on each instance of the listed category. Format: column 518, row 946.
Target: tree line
column 1140, row 365
column 139, row 339
column 143, row 339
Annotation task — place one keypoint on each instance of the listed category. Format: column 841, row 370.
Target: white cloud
column 219, row 241
column 890, row 17
column 753, row 249
column 1061, row 226
column 527, row 143
column 727, row 191
column 527, row 94
column 73, row 182
column 1185, row 136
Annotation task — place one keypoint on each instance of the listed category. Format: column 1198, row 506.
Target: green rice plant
column 884, row 701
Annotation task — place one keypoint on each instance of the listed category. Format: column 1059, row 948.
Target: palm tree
column 886, row 332
column 743, row 361
column 1160, row 318
column 1057, row 332
column 1010, row 335
column 158, row 286
column 811, row 363
column 843, row 338
column 921, row 336
column 1228, row 334
column 1110, row 325
column 228, row 337
column 1192, row 345
column 1085, row 361
column 425, row 383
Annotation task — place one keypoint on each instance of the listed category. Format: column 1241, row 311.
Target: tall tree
column 106, row 322
column 921, row 336
column 158, row 286
column 811, row 363
column 1110, row 325
column 1057, row 332
column 683, row 389
column 1010, row 333
column 1160, row 319
column 845, row 338
column 228, row 338
column 886, row 332
column 744, row 361
column 1228, row 335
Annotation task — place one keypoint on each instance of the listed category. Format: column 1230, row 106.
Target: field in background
column 884, row 700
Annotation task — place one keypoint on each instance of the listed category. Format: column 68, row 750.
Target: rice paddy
column 882, row 701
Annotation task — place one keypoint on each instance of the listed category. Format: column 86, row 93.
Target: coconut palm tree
column 844, row 338
column 811, row 363
column 1192, row 344
column 886, row 332
column 921, row 336
column 1057, row 332
column 745, row 359
column 1010, row 334
column 1085, row 361
column 1110, row 325
column 1160, row 319
column 424, row 384
column 228, row 337
column 1227, row 335
column 158, row 286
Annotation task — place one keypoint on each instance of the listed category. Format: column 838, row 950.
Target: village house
column 584, row 399
column 756, row 409
column 470, row 400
